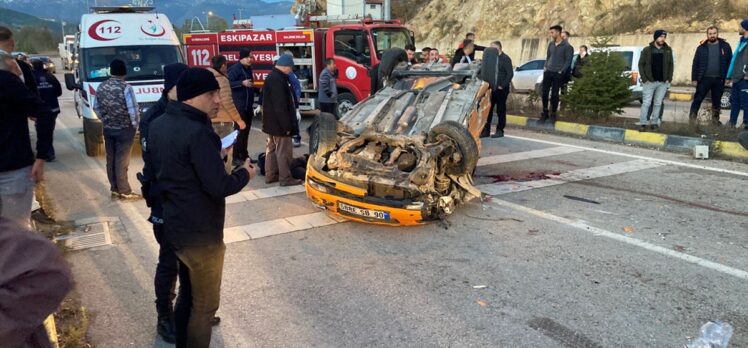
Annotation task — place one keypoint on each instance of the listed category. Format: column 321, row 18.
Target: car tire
column 724, row 102
column 390, row 59
column 346, row 102
column 323, row 134
column 488, row 71
column 466, row 145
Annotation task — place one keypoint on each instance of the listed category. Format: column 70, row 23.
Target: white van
column 144, row 40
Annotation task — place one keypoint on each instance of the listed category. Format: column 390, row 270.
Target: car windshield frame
column 144, row 62
column 376, row 34
column 628, row 58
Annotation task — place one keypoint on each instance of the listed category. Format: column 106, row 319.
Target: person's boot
column 715, row 118
column 554, row 117
column 165, row 328
column 296, row 141
column 543, row 117
column 215, row 321
column 692, row 119
column 499, row 134
column 485, row 133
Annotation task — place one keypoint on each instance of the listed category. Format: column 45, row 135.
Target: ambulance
column 143, row 39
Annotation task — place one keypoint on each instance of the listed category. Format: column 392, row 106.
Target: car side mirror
column 70, row 82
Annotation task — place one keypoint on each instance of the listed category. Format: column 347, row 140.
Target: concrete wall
column 684, row 47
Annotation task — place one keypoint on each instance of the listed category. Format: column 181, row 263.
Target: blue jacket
column 328, row 87
column 49, row 89
column 701, row 58
column 296, row 85
column 244, row 97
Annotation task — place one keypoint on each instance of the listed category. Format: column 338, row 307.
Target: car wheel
column 466, row 146
column 390, row 59
column 724, row 102
column 346, row 101
column 323, row 134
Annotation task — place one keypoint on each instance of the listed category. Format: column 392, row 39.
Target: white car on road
column 526, row 74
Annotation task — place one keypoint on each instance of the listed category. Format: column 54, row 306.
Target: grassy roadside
column 529, row 106
column 71, row 319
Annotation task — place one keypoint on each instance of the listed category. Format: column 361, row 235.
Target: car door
column 526, row 74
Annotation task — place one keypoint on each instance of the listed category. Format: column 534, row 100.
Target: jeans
column 200, row 272
column 330, row 108
column 716, row 86
column 167, row 269
column 242, row 140
column 16, row 195
column 278, row 156
column 650, row 91
column 118, row 144
column 498, row 101
column 739, row 101
column 551, row 83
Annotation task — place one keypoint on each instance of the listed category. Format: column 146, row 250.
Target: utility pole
column 387, row 10
column 62, row 23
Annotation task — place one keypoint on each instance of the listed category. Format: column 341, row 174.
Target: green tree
column 603, row 89
column 35, row 40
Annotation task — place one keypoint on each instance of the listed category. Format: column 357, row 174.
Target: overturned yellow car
column 405, row 155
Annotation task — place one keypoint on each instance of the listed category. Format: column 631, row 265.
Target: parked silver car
column 526, row 74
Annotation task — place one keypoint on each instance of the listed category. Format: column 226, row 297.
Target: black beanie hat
column 171, row 74
column 243, row 53
column 194, row 82
column 659, row 32
column 117, row 68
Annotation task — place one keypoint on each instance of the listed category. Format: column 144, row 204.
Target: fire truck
column 355, row 47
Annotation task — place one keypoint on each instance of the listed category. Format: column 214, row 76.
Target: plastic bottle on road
column 714, row 334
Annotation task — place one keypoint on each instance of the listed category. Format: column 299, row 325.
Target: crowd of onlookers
column 189, row 170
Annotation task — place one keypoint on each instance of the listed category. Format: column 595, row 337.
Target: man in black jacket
column 49, row 90
column 242, row 90
column 500, row 91
column 186, row 156
column 708, row 72
column 279, row 123
column 19, row 168
column 165, row 279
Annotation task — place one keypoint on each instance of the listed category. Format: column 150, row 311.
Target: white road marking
column 682, row 164
column 572, row 176
column 518, row 156
column 738, row 273
column 279, row 226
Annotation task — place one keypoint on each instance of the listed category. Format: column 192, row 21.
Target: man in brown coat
column 227, row 114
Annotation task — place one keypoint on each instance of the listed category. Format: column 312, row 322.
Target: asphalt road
column 582, row 244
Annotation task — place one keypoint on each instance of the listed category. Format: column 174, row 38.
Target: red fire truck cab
column 355, row 47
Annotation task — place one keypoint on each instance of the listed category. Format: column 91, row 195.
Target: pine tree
column 603, row 89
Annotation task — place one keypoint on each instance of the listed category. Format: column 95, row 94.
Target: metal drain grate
column 89, row 236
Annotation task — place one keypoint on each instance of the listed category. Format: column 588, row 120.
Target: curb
column 668, row 142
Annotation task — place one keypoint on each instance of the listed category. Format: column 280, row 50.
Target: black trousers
column 498, row 103
column 167, row 269
column 242, row 140
column 715, row 85
column 330, row 107
column 200, row 273
column 551, row 84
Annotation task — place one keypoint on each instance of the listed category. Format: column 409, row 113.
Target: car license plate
column 374, row 214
